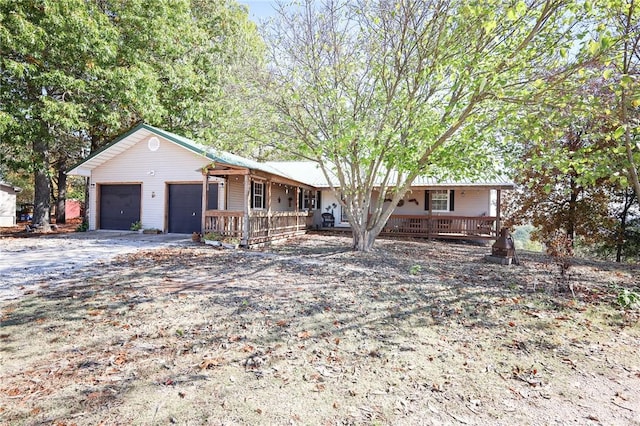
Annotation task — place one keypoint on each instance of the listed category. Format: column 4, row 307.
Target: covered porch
column 470, row 211
column 452, row 223
column 463, row 227
column 436, row 227
column 257, row 206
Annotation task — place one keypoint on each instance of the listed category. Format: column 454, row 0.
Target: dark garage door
column 119, row 206
column 185, row 207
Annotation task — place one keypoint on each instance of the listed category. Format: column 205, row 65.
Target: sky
column 259, row 9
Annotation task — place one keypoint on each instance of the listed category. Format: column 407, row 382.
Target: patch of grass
column 415, row 269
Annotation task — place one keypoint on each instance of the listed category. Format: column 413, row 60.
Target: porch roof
column 310, row 173
column 305, row 172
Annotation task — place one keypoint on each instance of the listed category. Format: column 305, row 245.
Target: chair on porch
column 328, row 220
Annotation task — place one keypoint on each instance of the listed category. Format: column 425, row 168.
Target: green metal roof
column 305, row 172
column 209, row 152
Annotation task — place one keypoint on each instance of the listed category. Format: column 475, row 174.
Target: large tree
column 380, row 92
column 578, row 169
column 624, row 18
column 77, row 73
column 50, row 50
column 556, row 188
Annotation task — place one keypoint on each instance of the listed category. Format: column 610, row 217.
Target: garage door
column 119, row 206
column 185, row 207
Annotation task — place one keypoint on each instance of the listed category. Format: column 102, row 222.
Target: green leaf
column 619, row 132
column 489, row 26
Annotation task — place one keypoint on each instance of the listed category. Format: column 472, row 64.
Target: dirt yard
column 309, row 332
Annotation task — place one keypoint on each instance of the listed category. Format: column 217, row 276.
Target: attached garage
column 185, row 206
column 119, row 206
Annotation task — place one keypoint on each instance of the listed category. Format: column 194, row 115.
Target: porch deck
column 465, row 227
column 259, row 227
column 436, row 227
column 264, row 227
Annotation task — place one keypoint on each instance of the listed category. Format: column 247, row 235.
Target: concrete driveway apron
column 24, row 262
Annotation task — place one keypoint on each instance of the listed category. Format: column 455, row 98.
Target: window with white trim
column 258, row 195
column 440, row 200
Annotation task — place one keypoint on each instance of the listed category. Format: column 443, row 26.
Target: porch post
column 205, row 198
column 498, row 218
column 247, row 207
column 297, row 207
column 430, row 224
column 269, row 218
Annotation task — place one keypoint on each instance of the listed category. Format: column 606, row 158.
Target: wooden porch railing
column 226, row 222
column 262, row 226
column 442, row 226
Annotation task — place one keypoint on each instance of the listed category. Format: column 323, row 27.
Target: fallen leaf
column 120, row 359
column 304, row 334
column 13, row 392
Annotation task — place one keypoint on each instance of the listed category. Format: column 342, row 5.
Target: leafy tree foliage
column 578, row 169
column 624, row 17
column 380, row 92
column 76, row 73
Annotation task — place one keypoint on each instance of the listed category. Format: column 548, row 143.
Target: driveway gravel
column 26, row 262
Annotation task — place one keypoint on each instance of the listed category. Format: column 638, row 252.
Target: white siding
column 235, row 191
column 170, row 163
column 474, row 202
column 7, row 207
column 467, row 202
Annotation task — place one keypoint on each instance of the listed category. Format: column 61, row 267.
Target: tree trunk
column 629, row 199
column 620, row 242
column 571, row 222
column 61, row 215
column 365, row 232
column 42, row 186
column 363, row 240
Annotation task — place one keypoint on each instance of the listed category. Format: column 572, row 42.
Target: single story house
column 8, row 194
column 175, row 185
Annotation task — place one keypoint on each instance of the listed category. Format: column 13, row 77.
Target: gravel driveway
column 25, row 262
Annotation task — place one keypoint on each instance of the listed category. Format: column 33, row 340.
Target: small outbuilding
column 8, row 194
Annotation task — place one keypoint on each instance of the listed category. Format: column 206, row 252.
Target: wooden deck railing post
column 498, row 218
column 269, row 224
column 247, row 206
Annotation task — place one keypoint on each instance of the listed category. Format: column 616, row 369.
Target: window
column 308, row 200
column 440, row 200
column 258, row 195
